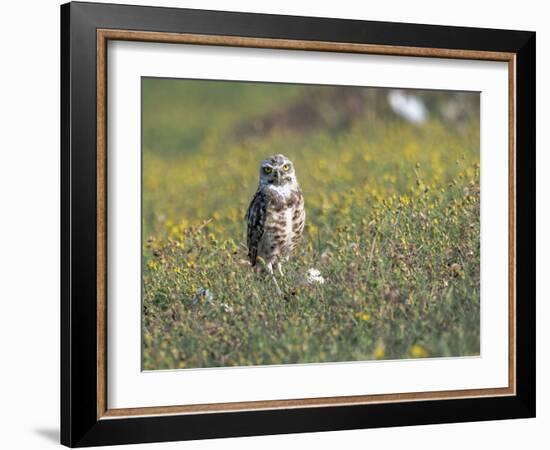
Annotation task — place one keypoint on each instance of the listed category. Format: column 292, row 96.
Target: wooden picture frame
column 86, row 418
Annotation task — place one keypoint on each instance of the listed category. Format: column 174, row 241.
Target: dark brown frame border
column 85, row 418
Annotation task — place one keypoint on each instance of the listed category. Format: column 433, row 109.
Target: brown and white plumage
column 276, row 215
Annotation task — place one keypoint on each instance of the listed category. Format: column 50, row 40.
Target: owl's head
column 277, row 170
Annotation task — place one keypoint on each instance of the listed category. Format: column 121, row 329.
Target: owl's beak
column 278, row 175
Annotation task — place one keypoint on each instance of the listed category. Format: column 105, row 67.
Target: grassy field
column 392, row 227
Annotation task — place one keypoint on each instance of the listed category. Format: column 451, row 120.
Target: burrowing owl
column 276, row 215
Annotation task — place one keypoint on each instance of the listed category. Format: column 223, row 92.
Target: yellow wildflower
column 417, row 351
column 379, row 352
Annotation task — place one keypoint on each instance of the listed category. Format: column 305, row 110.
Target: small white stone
column 313, row 276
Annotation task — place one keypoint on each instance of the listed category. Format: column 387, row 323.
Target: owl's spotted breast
column 283, row 225
column 275, row 224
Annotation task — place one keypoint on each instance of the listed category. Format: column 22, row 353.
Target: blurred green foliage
column 392, row 225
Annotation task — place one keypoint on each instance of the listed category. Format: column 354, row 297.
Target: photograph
column 297, row 224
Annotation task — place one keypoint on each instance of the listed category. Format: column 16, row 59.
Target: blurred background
column 204, row 140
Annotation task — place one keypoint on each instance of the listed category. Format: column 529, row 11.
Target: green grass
column 392, row 225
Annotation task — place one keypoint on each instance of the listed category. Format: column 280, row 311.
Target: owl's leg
column 269, row 268
column 280, row 269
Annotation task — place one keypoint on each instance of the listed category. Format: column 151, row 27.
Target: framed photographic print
column 276, row 224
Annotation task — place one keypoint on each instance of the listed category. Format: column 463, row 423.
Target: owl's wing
column 255, row 218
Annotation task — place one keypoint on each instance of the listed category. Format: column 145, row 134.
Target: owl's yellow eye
column 267, row 170
column 286, row 167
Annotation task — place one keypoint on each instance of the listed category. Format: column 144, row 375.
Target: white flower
column 226, row 308
column 202, row 295
column 313, row 276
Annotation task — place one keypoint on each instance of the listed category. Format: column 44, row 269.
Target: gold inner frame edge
column 103, row 36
